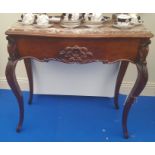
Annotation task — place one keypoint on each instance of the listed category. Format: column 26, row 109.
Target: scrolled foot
column 30, row 102
column 126, row 135
column 18, row 129
column 116, row 105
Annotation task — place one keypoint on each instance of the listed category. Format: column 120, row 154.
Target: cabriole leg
column 12, row 81
column 135, row 92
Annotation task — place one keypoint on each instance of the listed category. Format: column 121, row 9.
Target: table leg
column 121, row 73
column 12, row 81
column 141, row 81
column 30, row 78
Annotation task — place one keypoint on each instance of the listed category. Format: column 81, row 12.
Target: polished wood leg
column 121, row 73
column 135, row 92
column 30, row 78
column 12, row 81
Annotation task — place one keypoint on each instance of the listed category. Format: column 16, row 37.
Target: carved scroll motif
column 75, row 54
column 143, row 51
column 12, row 49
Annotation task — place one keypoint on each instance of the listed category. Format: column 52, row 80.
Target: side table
column 81, row 45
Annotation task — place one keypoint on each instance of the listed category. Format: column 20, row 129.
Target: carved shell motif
column 75, row 54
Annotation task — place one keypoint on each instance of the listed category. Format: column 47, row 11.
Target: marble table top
column 105, row 31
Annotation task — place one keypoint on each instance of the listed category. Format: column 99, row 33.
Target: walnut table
column 80, row 45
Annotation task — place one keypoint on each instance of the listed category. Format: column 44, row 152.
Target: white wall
column 95, row 79
column 6, row 21
column 9, row 19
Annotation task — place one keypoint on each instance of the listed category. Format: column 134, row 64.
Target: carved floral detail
column 12, row 48
column 75, row 54
column 143, row 51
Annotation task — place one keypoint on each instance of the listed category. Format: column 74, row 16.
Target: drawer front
column 78, row 50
